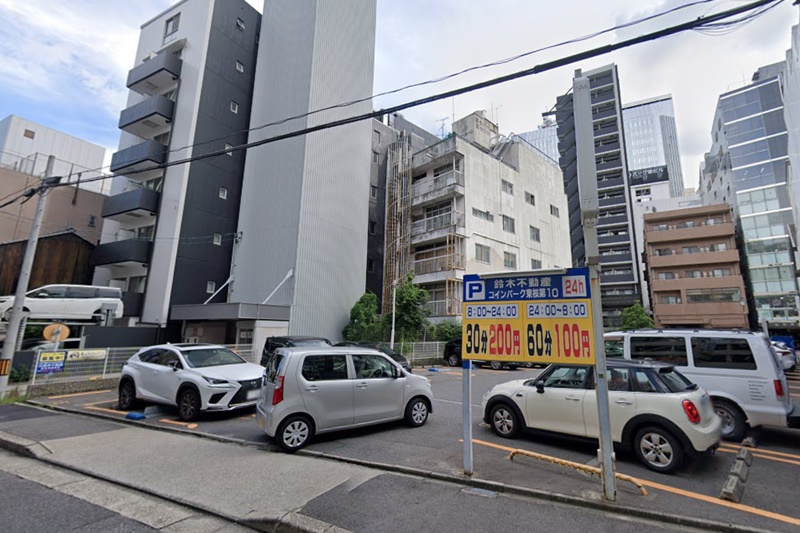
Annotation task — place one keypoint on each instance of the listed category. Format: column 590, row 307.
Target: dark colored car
column 382, row 347
column 452, row 356
column 289, row 341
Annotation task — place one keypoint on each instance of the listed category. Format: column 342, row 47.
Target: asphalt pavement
column 430, row 454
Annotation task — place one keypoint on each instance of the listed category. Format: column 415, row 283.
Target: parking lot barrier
column 577, row 466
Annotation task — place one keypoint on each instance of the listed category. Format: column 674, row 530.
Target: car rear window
column 660, row 348
column 675, row 381
column 720, row 352
column 273, row 367
column 311, row 342
column 325, row 367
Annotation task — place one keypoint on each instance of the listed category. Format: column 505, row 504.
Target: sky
column 64, row 64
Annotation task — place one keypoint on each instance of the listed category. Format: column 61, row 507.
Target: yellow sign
column 55, row 332
column 541, row 318
column 87, row 355
column 52, row 357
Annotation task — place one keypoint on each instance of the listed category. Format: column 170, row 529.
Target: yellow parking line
column 767, row 452
column 103, row 409
column 77, row 394
column 185, row 424
column 689, row 494
column 762, row 456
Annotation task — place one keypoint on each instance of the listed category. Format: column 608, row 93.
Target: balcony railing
column 132, row 204
column 438, row 222
column 438, row 264
column 138, row 157
column 444, row 307
column 156, row 74
column 130, row 251
column 148, row 118
column 430, row 188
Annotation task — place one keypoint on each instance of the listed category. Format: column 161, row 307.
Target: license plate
column 253, row 394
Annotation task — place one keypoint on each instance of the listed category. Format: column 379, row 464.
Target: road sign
column 50, row 362
column 97, row 354
column 534, row 317
column 56, row 332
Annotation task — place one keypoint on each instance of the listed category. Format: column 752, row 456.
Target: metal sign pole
column 590, row 207
column 466, row 413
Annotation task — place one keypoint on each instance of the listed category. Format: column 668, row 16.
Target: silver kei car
column 311, row 390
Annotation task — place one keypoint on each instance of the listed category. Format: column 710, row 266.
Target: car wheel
column 294, row 433
column 189, row 405
column 504, row 421
column 496, row 365
column 417, row 412
column 734, row 425
column 658, row 449
column 452, row 360
column 127, row 396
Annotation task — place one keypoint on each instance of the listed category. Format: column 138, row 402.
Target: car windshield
column 675, row 381
column 311, row 342
column 204, row 357
column 613, row 347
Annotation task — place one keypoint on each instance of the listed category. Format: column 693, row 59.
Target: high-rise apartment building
column 791, row 112
column 305, row 200
column 651, row 142
column 474, row 202
column 693, row 268
column 619, row 282
column 170, row 231
column 747, row 168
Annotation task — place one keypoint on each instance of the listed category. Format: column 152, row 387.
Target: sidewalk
column 272, row 491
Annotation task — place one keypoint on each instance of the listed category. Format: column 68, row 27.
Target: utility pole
column 15, row 320
column 590, row 208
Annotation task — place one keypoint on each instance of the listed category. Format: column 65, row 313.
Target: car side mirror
column 539, row 387
column 175, row 365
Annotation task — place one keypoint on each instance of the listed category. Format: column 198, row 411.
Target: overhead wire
column 538, row 69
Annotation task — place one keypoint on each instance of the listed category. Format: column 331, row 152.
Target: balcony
column 149, row 118
column 444, row 307
column 618, row 300
column 132, row 205
column 610, row 146
column 438, row 264
column 612, row 220
column 608, row 165
column 711, row 315
column 605, row 129
column 710, row 282
column 603, row 96
column 604, row 113
column 615, row 258
column 122, row 253
column 155, row 75
column 614, row 200
column 610, row 183
column 436, row 155
column 132, row 161
column 438, row 227
column 687, row 234
column 428, row 190
column 132, row 302
column 616, row 278
column 700, row 258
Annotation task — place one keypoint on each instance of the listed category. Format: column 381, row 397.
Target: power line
column 435, row 80
column 538, row 69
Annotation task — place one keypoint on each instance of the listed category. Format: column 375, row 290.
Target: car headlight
column 215, row 381
column 4, row 300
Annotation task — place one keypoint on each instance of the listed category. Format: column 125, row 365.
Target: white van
column 737, row 368
column 66, row 302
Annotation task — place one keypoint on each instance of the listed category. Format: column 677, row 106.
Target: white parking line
column 451, row 401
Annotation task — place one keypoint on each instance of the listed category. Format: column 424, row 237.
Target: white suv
column 737, row 368
column 66, row 302
column 310, row 390
column 653, row 409
column 194, row 377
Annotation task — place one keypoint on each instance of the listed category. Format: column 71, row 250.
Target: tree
column 444, row 331
column 363, row 323
column 635, row 317
column 412, row 315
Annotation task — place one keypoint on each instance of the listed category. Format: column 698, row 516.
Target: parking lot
column 770, row 498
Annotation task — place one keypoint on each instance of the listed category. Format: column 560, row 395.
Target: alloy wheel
column 503, row 421
column 656, row 450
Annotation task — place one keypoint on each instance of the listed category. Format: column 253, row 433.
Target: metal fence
column 25, row 363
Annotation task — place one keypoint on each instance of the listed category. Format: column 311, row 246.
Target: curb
column 516, row 490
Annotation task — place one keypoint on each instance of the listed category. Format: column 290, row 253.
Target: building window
column 670, row 299
column 217, row 239
column 686, row 224
column 508, row 224
column 229, row 146
column 663, row 251
column 29, row 134
column 373, row 226
column 510, row 260
column 535, row 234
column 376, row 158
column 370, row 265
column 659, row 227
column 721, row 272
column 171, row 26
column 553, row 210
column 376, row 137
column 92, row 221
column 529, row 198
column 690, row 249
column 666, row 275
column 145, row 233
column 240, row 24
column 485, row 215
column 536, row 264
column 482, row 253
column 211, row 286
column 373, row 191
column 223, row 193
column 693, row 274
column 642, row 192
column 240, row 67
column 234, row 107
column 721, row 247
column 714, row 222
column 508, row 188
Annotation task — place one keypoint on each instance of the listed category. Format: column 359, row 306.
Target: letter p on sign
column 476, row 290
